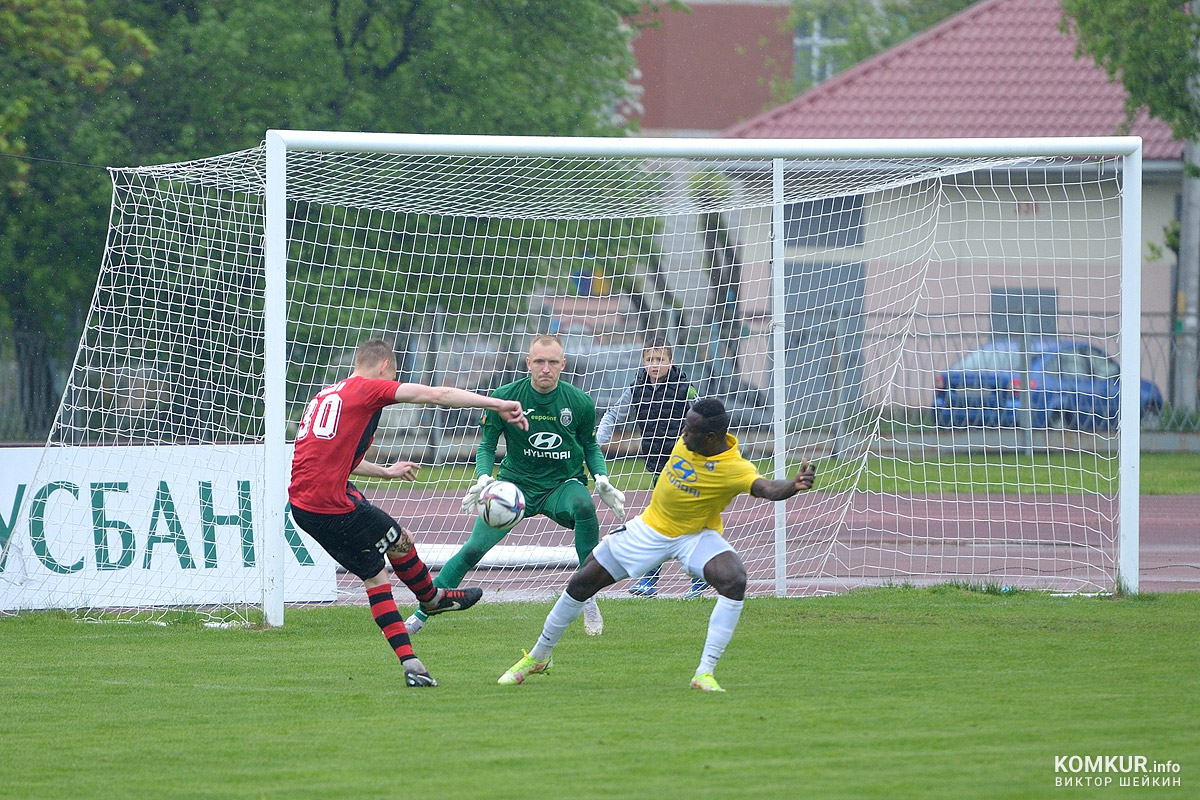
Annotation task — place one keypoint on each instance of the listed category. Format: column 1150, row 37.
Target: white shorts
column 635, row 548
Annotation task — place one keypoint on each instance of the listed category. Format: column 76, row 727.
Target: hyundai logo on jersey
column 545, row 440
column 680, row 474
column 546, row 444
column 684, row 469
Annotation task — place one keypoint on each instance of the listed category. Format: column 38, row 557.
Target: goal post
column 1128, row 481
column 818, row 287
column 275, row 469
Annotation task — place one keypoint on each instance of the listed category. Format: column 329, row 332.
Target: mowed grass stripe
column 941, row 692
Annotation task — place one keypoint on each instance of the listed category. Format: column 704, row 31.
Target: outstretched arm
column 402, row 470
column 782, row 490
column 452, row 397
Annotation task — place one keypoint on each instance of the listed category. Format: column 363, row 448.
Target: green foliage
column 229, row 71
column 710, row 187
column 901, row 692
column 110, row 82
column 60, row 55
column 1150, row 46
column 65, row 66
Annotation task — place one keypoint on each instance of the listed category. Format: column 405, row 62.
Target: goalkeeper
column 683, row 521
column 546, row 461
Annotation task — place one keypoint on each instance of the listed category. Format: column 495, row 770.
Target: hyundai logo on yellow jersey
column 684, row 469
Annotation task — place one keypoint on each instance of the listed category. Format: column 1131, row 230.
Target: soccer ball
column 501, row 505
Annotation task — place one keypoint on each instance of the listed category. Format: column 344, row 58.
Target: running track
column 839, row 542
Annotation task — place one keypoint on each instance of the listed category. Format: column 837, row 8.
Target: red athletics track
column 839, row 542
column 1170, row 544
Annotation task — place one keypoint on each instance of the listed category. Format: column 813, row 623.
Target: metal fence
column 12, row 422
column 1159, row 347
column 932, row 345
column 902, row 358
column 28, row 398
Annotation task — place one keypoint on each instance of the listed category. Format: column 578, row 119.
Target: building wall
column 939, row 255
column 706, row 70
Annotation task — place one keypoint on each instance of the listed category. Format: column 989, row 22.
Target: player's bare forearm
column 401, row 470
column 512, row 413
column 445, row 396
column 367, row 469
column 782, row 490
column 453, row 397
column 509, row 410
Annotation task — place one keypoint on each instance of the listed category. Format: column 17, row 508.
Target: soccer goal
column 829, row 292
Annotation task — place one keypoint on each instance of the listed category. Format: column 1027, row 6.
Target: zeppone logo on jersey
column 546, row 444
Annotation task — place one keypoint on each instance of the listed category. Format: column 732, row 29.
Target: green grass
column 970, row 474
column 1170, row 473
column 1160, row 473
column 932, row 693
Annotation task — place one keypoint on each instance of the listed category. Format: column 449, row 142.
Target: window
column 828, row 222
column 991, row 361
column 1024, row 312
column 1105, row 368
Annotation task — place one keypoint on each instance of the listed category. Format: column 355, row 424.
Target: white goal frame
column 280, row 142
column 826, row 290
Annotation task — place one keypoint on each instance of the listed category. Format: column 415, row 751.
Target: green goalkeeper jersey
column 560, row 441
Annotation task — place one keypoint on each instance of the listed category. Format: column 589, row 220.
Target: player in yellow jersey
column 683, row 521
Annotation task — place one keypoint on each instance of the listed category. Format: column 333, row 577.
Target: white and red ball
column 501, row 505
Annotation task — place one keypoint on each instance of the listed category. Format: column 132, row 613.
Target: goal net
column 900, row 313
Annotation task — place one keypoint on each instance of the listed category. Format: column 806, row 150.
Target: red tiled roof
column 998, row 68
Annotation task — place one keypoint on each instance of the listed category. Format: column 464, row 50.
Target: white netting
column 150, row 494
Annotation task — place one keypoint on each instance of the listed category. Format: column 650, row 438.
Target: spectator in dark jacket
column 655, row 404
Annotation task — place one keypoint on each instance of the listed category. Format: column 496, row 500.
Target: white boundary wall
column 197, row 523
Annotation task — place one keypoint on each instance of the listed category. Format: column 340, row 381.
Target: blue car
column 1072, row 385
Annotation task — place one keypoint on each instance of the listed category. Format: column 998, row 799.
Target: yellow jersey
column 693, row 490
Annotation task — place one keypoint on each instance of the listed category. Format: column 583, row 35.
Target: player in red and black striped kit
column 335, row 432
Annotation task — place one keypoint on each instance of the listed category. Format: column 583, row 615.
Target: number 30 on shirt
column 321, row 417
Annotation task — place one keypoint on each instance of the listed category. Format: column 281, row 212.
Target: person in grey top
column 655, row 404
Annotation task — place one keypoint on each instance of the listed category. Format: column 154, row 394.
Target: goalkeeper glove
column 472, row 498
column 613, row 497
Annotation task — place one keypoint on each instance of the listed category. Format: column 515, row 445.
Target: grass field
column 929, row 693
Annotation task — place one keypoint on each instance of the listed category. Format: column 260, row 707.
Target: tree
column 836, row 34
column 65, row 68
column 85, row 87
column 228, row 71
column 1152, row 47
